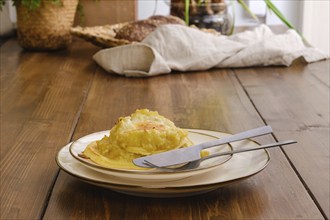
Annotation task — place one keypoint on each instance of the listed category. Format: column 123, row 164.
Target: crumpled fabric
column 180, row 48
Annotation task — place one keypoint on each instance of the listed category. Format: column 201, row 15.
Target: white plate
column 239, row 167
column 196, row 136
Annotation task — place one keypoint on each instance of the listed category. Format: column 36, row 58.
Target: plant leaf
column 247, row 9
column 278, row 13
column 233, row 17
column 186, row 14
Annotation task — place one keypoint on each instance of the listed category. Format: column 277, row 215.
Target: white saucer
column 196, row 136
column 239, row 167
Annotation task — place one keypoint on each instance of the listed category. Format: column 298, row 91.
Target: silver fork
column 195, row 164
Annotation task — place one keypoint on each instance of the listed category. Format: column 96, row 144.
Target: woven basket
column 47, row 27
column 103, row 36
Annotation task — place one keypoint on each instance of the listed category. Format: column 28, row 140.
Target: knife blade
column 187, row 154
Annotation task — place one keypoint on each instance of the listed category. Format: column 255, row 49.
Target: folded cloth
column 181, row 48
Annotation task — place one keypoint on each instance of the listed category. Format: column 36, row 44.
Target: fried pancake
column 143, row 133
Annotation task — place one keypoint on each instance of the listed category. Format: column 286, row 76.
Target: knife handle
column 237, row 137
column 250, row 149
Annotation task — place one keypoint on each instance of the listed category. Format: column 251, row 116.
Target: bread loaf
column 138, row 30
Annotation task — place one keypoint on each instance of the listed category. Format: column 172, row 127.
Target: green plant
column 30, row 4
column 34, row 4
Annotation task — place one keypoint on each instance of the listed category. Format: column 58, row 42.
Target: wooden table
column 50, row 99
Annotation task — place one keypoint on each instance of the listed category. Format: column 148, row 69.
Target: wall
column 102, row 12
column 315, row 23
column 146, row 8
column 7, row 20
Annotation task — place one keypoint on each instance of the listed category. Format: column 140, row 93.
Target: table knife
column 187, row 154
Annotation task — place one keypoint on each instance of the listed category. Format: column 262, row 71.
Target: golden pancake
column 143, row 133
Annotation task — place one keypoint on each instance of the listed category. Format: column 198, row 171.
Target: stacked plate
column 209, row 175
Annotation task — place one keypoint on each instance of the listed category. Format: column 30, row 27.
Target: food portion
column 143, row 133
column 138, row 30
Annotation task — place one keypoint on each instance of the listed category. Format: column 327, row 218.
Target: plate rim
column 174, row 189
column 120, row 186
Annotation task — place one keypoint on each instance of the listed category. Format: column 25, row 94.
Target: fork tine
column 150, row 164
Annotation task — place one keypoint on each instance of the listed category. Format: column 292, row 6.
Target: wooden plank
column 321, row 70
column 208, row 100
column 10, row 57
column 40, row 103
column 295, row 101
column 102, row 12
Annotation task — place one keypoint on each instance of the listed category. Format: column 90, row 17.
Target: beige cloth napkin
column 181, row 48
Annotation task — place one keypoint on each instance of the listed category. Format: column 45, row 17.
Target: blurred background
column 310, row 17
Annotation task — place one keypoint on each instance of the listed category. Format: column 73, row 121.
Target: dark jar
column 207, row 15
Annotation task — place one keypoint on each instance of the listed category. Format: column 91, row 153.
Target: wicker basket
column 103, row 36
column 47, row 27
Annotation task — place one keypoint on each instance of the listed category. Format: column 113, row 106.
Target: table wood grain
column 50, row 99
